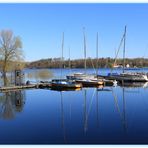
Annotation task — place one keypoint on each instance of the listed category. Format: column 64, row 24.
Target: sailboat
column 60, row 84
column 126, row 76
column 86, row 79
column 80, row 75
column 105, row 81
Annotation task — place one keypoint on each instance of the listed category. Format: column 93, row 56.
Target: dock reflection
column 11, row 103
column 66, row 89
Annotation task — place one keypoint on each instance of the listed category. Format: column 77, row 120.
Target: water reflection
column 38, row 75
column 134, row 84
column 62, row 118
column 88, row 116
column 85, row 111
column 124, row 109
column 101, row 116
column 65, row 89
column 11, row 103
column 121, row 114
column 89, row 106
column 97, row 107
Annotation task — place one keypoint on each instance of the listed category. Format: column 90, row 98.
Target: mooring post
column 18, row 77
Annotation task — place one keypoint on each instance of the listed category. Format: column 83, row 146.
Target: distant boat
column 117, row 66
column 79, row 76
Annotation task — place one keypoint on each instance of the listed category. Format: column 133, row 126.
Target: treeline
column 79, row 63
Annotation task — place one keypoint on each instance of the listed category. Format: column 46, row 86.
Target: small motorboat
column 64, row 84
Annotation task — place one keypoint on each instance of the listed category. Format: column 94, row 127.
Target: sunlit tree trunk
column 4, row 72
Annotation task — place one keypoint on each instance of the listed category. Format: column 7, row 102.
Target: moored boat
column 64, row 84
column 110, row 82
column 83, row 77
column 91, row 82
column 128, row 77
column 80, row 76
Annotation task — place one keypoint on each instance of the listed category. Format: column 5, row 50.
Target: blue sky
column 40, row 27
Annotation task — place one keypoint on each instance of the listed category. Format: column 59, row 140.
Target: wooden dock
column 30, row 86
column 14, row 88
column 43, row 85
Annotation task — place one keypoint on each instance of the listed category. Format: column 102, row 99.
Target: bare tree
column 10, row 50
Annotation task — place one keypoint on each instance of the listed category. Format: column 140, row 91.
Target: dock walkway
column 14, row 88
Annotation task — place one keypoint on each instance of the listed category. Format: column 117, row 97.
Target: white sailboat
column 86, row 79
column 80, row 75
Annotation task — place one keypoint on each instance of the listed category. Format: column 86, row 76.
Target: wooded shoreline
column 79, row 63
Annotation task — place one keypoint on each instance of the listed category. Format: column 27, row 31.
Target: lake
column 110, row 115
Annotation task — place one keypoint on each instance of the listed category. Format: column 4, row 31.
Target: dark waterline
column 114, row 115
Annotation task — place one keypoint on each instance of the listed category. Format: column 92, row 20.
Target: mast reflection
column 85, row 112
column 87, row 108
column 97, row 107
column 123, row 113
column 62, row 117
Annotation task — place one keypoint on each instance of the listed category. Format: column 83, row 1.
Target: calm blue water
column 114, row 115
column 37, row 75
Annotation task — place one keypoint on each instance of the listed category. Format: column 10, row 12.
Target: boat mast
column 124, row 49
column 97, row 55
column 62, row 54
column 84, row 49
column 69, row 64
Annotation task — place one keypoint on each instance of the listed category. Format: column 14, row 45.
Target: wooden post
column 18, row 77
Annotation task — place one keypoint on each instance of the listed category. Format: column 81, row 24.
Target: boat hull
column 90, row 83
column 126, row 78
column 79, row 76
column 65, row 86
